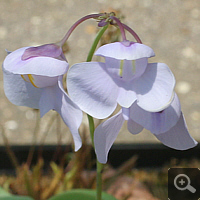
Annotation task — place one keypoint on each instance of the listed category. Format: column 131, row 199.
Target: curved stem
column 121, row 27
column 132, row 32
column 61, row 43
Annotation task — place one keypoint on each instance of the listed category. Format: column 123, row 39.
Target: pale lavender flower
column 124, row 78
column 168, row 126
column 33, row 77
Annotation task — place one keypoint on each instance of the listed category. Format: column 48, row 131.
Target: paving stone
column 171, row 28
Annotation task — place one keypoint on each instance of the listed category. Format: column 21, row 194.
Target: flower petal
column 92, row 89
column 20, row 92
column 56, row 98
column 125, row 50
column 134, row 127
column 48, row 99
column 155, row 87
column 124, row 77
column 126, row 95
column 126, row 113
column 126, row 70
column 70, row 113
column 157, row 122
column 42, row 81
column 105, row 135
column 178, row 136
column 44, row 66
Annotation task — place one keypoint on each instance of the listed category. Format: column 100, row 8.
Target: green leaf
column 83, row 194
column 4, row 193
column 13, row 197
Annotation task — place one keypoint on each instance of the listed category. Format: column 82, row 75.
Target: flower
column 168, row 126
column 33, row 77
column 124, row 78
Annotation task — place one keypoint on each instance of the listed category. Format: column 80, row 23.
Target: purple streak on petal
column 56, row 98
column 120, row 51
column 105, row 135
column 44, row 66
column 20, row 92
column 157, row 122
column 178, row 136
column 47, row 50
column 155, row 87
column 92, row 89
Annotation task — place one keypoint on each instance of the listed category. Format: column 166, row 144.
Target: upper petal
column 155, row 87
column 92, row 89
column 178, row 136
column 125, row 50
column 157, row 122
column 20, row 92
column 105, row 135
column 44, row 66
column 126, row 70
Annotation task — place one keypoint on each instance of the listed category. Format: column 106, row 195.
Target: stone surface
column 171, row 28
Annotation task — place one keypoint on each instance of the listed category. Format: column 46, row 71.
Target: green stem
column 99, row 180
column 92, row 128
column 91, row 120
column 95, row 43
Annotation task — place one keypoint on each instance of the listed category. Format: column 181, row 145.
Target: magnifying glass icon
column 184, row 183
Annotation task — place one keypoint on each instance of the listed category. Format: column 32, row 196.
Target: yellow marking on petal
column 121, row 67
column 31, row 80
column 134, row 69
column 24, row 78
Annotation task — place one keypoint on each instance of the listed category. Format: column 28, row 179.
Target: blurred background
column 170, row 27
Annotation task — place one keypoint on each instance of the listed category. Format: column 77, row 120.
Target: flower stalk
column 61, row 43
column 133, row 33
column 121, row 27
column 99, row 166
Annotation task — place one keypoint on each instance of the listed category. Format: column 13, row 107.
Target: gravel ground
column 170, row 27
